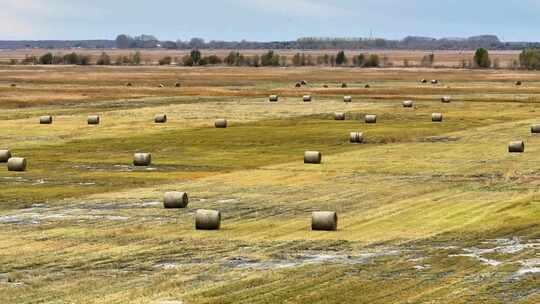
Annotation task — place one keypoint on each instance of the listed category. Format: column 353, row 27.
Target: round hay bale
column 298, row 85
column 434, row 81
column 356, row 137
column 93, row 120
column 306, row 98
column 129, row 84
column 408, row 104
column 5, row 155
column 516, row 147
column 325, row 86
column 13, row 85
column 142, row 159
column 518, row 83
column 339, row 116
column 371, row 119
column 423, row 81
column 175, row 200
column 324, row 221
column 436, row 117
column 343, row 85
column 446, row 99
column 160, row 118
column 161, row 85
column 535, row 128
column 16, row 164
column 347, row 99
column 312, row 157
column 46, row 120
column 367, row 86
column 207, row 220
column 273, row 98
column 221, row 123
column 178, row 84
column 303, row 82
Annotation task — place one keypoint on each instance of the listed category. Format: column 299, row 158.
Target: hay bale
column 347, row 99
column 371, row 119
column 142, row 159
column 423, row 81
column 13, row 85
column 161, row 85
column 434, row 81
column 5, row 155
column 129, row 84
column 46, row 120
column 93, row 119
column 273, row 98
column 312, row 157
column 436, row 117
column 175, row 200
column 367, row 86
column 306, row 98
column 408, row 104
column 535, row 128
column 160, row 118
column 298, row 85
column 207, row 220
column 178, row 84
column 325, row 86
column 446, row 99
column 518, row 83
column 516, row 147
column 16, row 164
column 324, row 221
column 303, row 82
column 343, row 85
column 356, row 137
column 221, row 123
column 339, row 116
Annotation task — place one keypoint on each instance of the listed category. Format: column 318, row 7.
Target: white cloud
column 297, row 8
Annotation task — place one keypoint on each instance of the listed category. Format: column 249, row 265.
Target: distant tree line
column 528, row 59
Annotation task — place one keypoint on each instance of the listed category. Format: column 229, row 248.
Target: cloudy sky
column 266, row 20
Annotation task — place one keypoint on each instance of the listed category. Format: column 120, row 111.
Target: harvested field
column 428, row 212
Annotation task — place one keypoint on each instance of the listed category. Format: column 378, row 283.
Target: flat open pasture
column 428, row 212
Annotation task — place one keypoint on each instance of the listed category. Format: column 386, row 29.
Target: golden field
column 428, row 212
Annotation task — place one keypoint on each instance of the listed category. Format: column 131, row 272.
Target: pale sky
column 268, row 20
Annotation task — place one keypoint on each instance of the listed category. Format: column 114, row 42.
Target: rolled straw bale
column 93, row 120
column 343, row 85
column 46, row 120
column 312, row 157
column 306, row 98
column 142, row 159
column 347, row 99
column 535, row 128
column 356, row 137
column 160, row 118
column 207, row 220
column 516, row 147
column 175, row 200
column 16, row 164
column 5, row 155
column 518, row 83
column 220, row 123
column 324, row 221
column 371, row 119
column 303, row 82
column 408, row 104
column 297, row 85
column 178, row 84
column 434, row 81
column 273, row 98
column 436, row 117
column 339, row 116
column 446, row 99
column 367, row 86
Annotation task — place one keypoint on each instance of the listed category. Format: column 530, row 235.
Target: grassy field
column 428, row 212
